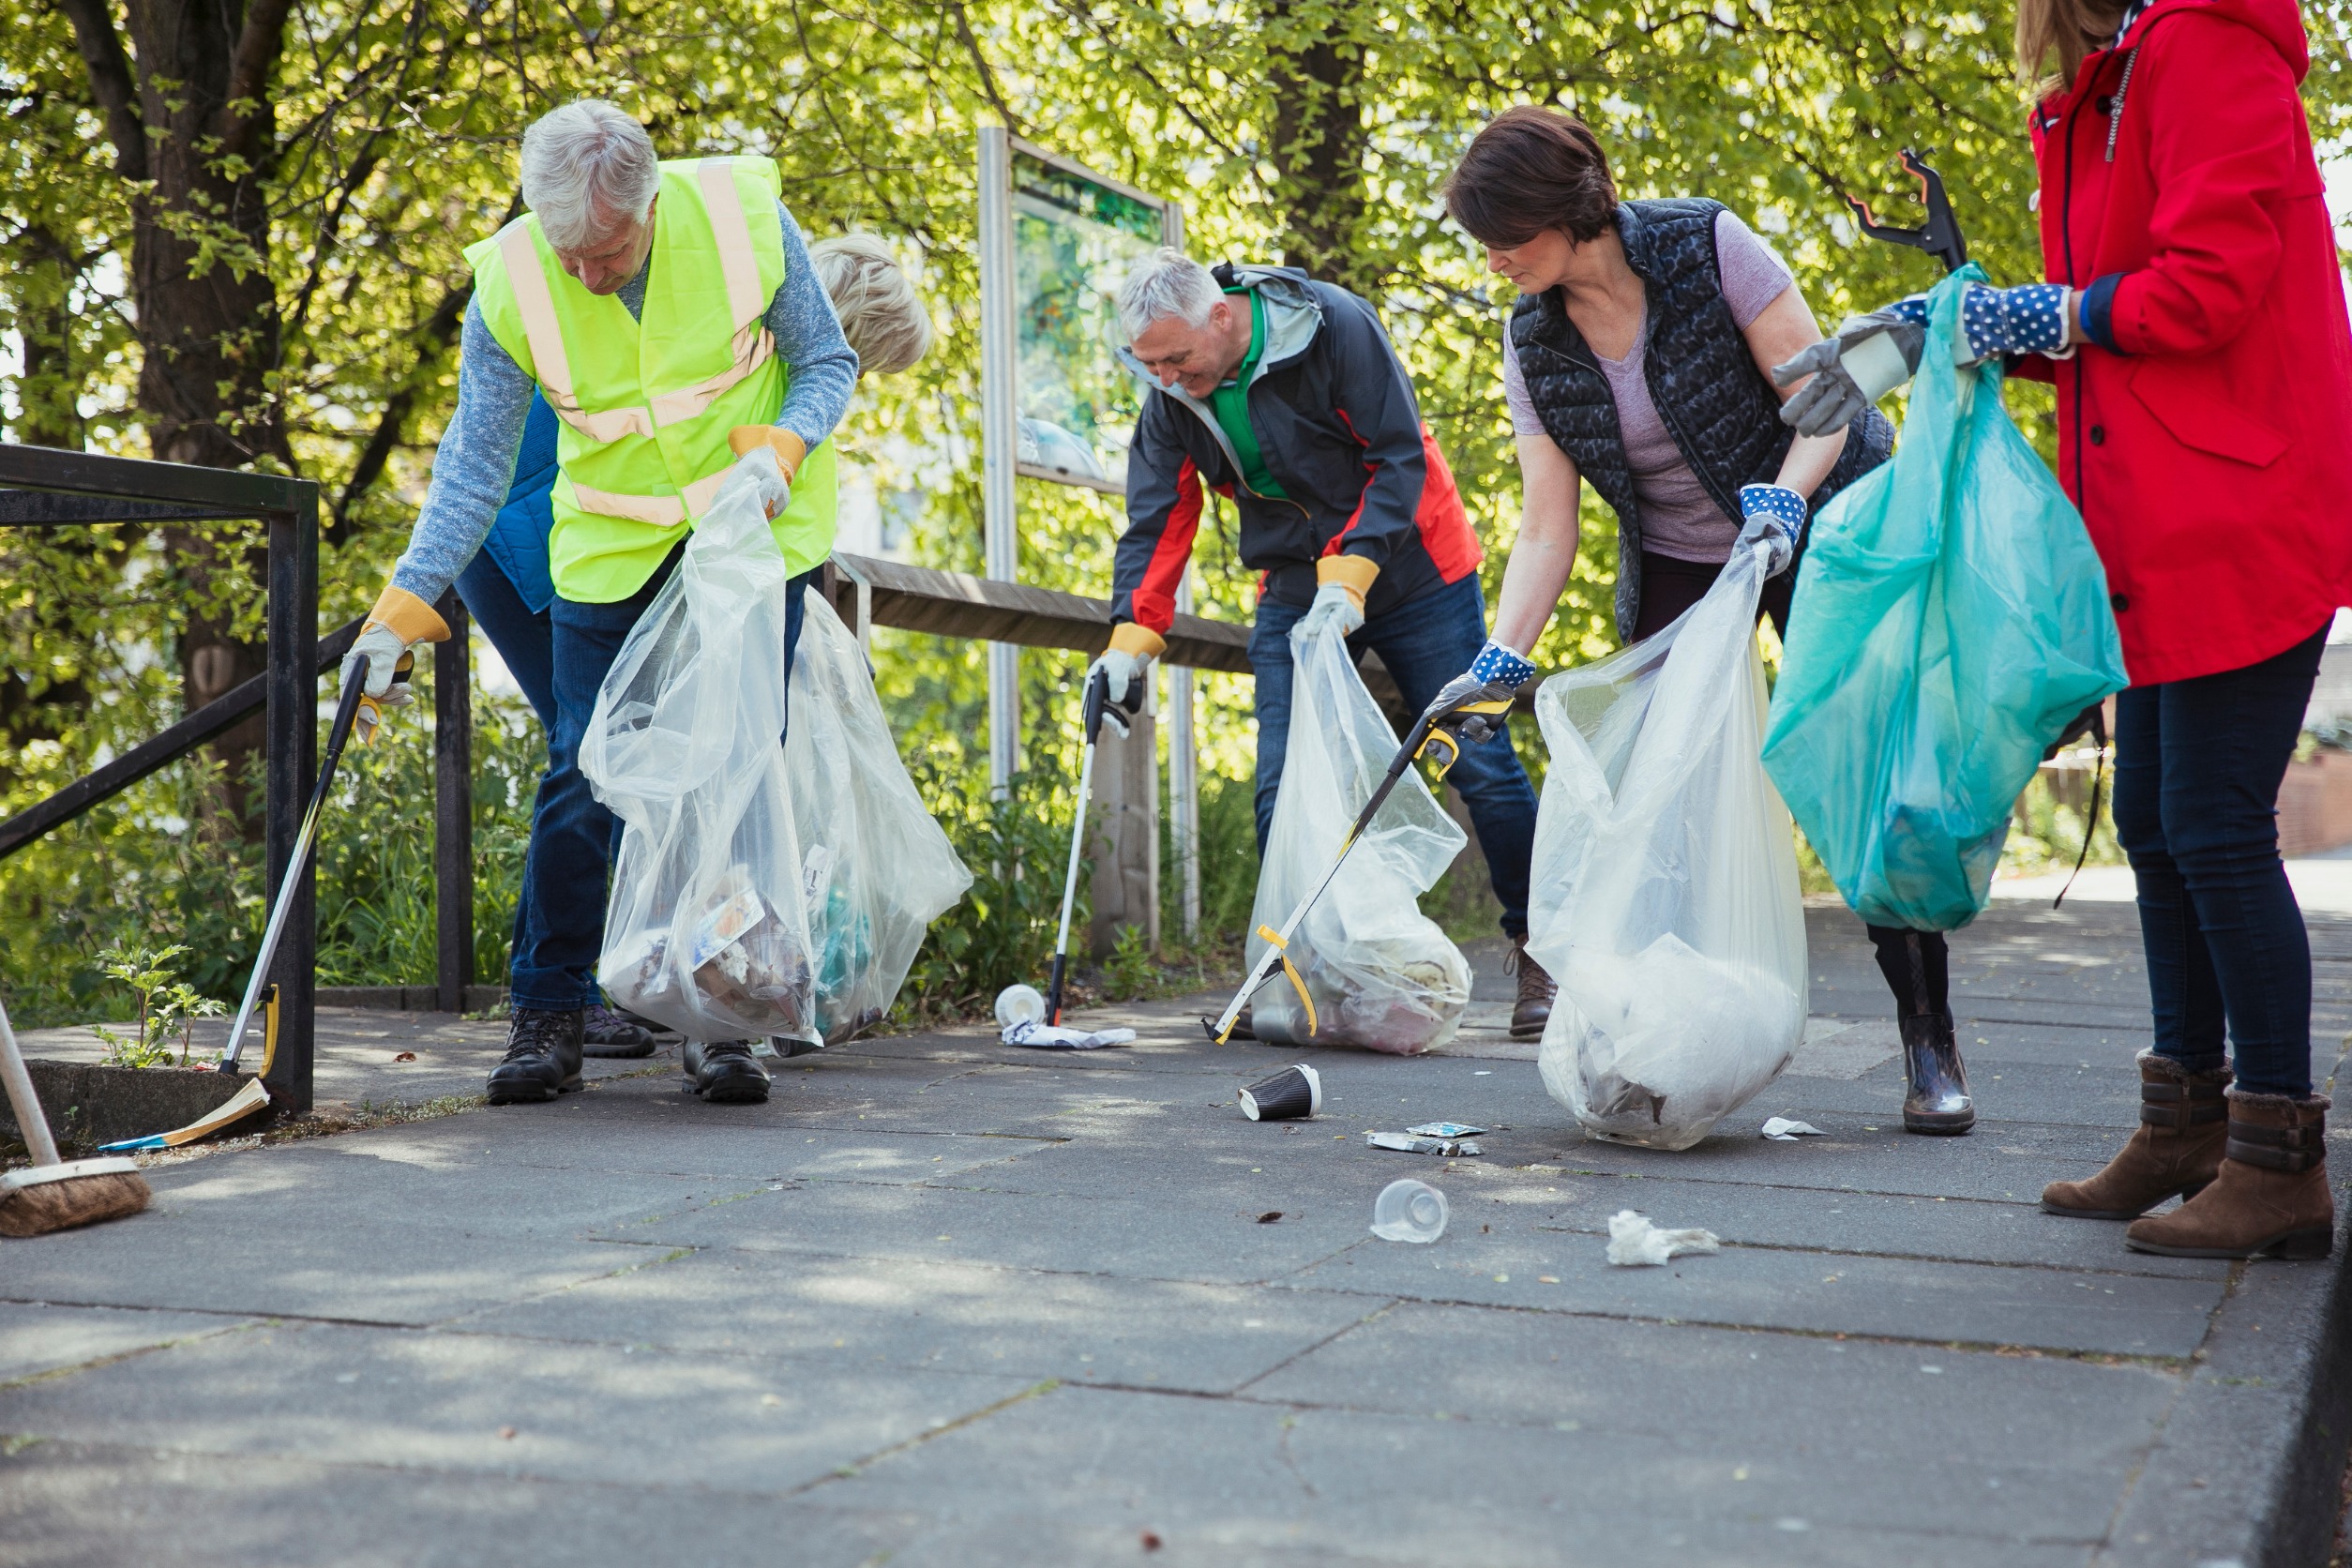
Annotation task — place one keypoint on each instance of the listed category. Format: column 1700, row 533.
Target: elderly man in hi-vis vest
column 669, row 313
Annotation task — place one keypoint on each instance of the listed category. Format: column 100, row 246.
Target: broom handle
column 26, row 1103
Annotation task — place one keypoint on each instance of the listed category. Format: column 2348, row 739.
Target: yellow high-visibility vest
column 645, row 404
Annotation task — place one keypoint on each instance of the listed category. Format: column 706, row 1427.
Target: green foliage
column 164, row 1004
column 1017, row 850
column 1129, row 973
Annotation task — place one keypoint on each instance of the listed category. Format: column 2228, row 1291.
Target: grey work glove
column 1869, row 357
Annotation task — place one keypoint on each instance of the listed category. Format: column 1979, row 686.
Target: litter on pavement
column 1409, row 1210
column 1781, row 1129
column 1046, row 1037
column 1292, row 1094
column 1634, row 1242
column 1446, row 1129
column 1409, row 1143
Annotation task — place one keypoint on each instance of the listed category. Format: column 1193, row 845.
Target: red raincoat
column 2205, row 433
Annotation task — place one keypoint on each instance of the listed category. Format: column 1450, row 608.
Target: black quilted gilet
column 1721, row 410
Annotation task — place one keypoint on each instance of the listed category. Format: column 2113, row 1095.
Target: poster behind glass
column 1073, row 241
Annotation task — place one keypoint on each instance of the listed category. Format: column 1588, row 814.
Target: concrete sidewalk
column 943, row 1302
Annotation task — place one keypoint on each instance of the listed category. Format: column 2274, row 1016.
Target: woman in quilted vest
column 1638, row 359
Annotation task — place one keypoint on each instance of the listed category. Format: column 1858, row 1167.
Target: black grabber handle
column 1939, row 236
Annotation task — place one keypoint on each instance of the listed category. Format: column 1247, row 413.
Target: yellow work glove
column 1342, row 581
column 387, row 642
column 772, row 457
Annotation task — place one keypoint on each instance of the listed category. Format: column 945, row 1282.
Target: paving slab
column 943, row 1301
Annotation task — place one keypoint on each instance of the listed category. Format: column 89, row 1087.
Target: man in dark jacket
column 1284, row 394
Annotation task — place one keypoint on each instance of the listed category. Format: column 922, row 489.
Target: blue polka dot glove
column 1496, row 662
column 1773, row 516
column 2027, row 320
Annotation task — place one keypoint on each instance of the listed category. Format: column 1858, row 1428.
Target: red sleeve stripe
column 1445, row 523
column 1155, row 598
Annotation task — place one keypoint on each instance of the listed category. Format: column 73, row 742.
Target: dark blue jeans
column 524, row 637
column 572, row 835
column 1424, row 644
column 2197, row 769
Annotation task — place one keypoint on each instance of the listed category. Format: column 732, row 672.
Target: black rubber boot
column 542, row 1057
column 725, row 1072
column 1937, row 1101
column 607, row 1033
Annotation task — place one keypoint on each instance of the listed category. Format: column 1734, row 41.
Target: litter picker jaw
column 1091, row 710
column 1939, row 236
column 338, row 736
column 1441, row 731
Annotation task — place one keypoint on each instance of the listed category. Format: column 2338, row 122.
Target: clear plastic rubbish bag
column 876, row 870
column 1664, row 898
column 1377, row 973
column 706, row 929
column 1951, row 619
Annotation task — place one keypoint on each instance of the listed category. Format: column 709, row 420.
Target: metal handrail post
column 291, row 728
column 453, row 806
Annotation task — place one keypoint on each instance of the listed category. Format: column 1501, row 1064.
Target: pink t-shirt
column 1678, row 517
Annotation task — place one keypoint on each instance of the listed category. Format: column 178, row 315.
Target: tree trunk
column 189, row 111
column 1319, row 146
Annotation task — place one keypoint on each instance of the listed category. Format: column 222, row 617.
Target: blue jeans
column 1425, row 644
column 524, row 637
column 2197, row 769
column 572, row 835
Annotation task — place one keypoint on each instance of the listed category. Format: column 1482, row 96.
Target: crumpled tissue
column 1633, row 1242
column 1781, row 1129
column 1049, row 1037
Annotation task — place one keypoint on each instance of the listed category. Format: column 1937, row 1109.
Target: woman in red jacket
column 2194, row 323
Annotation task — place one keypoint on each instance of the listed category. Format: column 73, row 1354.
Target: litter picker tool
column 1939, row 236
column 337, row 735
column 1090, row 718
column 55, row 1195
column 1435, row 728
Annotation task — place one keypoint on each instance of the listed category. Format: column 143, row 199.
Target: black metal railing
column 43, row 487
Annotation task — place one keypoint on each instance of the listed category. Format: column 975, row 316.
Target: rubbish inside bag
column 1665, row 899
column 1634, row 1242
column 1783, row 1130
column 878, row 869
column 1376, row 972
column 1952, row 619
column 706, row 925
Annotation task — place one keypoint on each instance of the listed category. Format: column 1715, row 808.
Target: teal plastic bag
column 1950, row 617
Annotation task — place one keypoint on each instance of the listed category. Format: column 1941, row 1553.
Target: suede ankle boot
column 2271, row 1197
column 2176, row 1152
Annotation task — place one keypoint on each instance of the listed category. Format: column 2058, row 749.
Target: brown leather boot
column 1533, row 1008
column 2175, row 1153
column 2270, row 1199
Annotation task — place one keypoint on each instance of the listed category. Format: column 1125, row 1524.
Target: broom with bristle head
column 54, row 1195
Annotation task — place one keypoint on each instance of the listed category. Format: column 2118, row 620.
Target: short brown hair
column 1532, row 170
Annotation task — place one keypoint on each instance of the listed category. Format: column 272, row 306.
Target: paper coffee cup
column 1292, row 1094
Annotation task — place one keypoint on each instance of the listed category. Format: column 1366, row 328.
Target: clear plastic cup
column 1409, row 1210
column 1019, row 1004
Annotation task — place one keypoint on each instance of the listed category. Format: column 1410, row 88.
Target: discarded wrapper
column 1634, row 1242
column 1782, row 1130
column 1292, row 1094
column 1046, row 1037
column 1447, row 1129
column 1410, row 1143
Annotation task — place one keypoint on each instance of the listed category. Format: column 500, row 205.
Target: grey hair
column 881, row 314
column 1165, row 283
column 585, row 166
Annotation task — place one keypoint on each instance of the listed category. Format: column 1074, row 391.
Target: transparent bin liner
column 1664, row 898
column 876, row 868
column 1380, row 975
column 706, row 928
